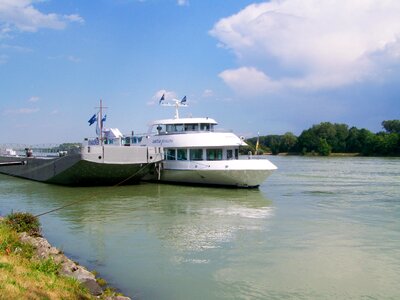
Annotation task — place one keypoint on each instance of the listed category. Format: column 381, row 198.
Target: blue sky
column 254, row 66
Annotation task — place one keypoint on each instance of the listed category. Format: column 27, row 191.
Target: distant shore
column 330, row 155
column 316, row 154
column 328, row 138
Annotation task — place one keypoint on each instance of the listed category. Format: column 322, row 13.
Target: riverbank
column 33, row 269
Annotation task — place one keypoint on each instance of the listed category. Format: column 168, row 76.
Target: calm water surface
column 318, row 228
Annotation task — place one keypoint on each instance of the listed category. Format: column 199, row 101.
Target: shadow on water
column 109, row 202
column 99, row 199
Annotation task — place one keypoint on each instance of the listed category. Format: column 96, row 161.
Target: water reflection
column 184, row 218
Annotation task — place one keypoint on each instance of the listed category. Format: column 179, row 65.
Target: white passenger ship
column 196, row 153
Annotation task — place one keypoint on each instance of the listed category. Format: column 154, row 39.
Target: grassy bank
column 22, row 276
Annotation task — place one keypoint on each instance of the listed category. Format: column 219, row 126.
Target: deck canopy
column 184, row 121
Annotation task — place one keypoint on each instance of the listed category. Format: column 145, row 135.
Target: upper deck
column 182, row 125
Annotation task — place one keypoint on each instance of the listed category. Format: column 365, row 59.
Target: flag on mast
column 183, row 100
column 258, row 142
column 98, row 126
column 92, row 120
column 162, row 99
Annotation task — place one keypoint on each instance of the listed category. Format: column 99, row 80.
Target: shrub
column 47, row 266
column 10, row 243
column 24, row 222
column 101, row 282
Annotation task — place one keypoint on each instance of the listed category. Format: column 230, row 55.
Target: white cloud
column 208, row 93
column 33, row 99
column 3, row 59
column 248, row 81
column 74, row 59
column 70, row 58
column 15, row 48
column 74, row 18
column 4, row 30
column 22, row 15
column 183, row 2
column 310, row 44
column 168, row 95
column 20, row 111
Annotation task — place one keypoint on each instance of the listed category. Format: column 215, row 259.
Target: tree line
column 326, row 138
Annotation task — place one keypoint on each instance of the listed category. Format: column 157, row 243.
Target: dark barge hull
column 72, row 170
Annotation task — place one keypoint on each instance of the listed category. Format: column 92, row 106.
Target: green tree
column 391, row 126
column 342, row 132
column 288, row 142
column 387, row 143
column 308, row 141
column 353, row 144
column 334, row 134
column 368, row 141
column 271, row 142
column 324, row 148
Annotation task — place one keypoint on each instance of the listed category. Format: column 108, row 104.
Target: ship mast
column 176, row 103
column 100, row 119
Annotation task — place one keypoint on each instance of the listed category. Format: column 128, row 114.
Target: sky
column 267, row 67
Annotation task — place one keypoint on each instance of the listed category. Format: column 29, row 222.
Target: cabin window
column 229, row 154
column 237, row 153
column 161, row 128
column 137, row 139
column 205, row 127
column 191, row 127
column 214, row 154
column 179, row 128
column 170, row 154
column 196, row 154
column 182, row 154
column 170, row 128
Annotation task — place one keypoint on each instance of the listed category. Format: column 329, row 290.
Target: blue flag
column 104, row 119
column 162, row 99
column 92, row 120
column 183, row 100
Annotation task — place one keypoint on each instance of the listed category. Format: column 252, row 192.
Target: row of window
column 162, row 128
column 200, row 154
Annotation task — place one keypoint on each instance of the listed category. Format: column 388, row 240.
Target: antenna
column 176, row 103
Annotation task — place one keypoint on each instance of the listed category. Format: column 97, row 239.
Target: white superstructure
column 196, row 153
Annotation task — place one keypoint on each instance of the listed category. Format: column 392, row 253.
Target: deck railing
column 39, row 150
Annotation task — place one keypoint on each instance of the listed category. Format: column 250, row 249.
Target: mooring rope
column 93, row 195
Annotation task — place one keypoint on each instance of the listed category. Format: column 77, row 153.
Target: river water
column 318, row 228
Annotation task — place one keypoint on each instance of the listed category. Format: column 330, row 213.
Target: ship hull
column 231, row 173
column 94, row 166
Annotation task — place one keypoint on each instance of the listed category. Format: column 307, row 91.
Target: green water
column 318, row 228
